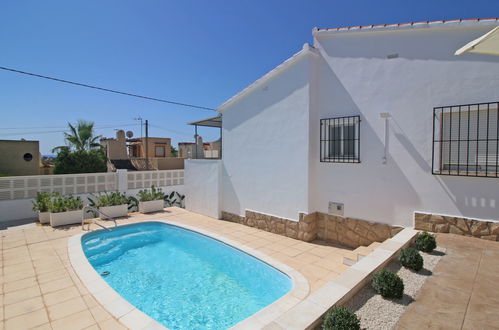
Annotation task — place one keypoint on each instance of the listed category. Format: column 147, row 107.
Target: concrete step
column 359, row 253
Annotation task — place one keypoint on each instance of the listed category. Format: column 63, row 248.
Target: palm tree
column 80, row 137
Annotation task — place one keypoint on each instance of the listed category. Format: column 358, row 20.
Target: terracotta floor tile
column 80, row 320
column 20, row 295
column 61, row 295
column 27, row 320
column 100, row 314
column 45, row 326
column 20, row 284
column 66, row 308
column 56, row 285
column 23, row 307
column 291, row 252
column 111, row 324
column 90, row 301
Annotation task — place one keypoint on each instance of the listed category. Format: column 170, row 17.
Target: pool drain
column 105, row 273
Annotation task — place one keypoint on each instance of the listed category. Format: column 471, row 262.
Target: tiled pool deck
column 41, row 290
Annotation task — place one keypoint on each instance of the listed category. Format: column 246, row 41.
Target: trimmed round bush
column 388, row 284
column 425, row 242
column 410, row 258
column 340, row 318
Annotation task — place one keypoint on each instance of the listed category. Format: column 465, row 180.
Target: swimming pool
column 183, row 279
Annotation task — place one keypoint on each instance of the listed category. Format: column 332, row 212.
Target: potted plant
column 175, row 199
column 151, row 200
column 113, row 204
column 41, row 205
column 65, row 210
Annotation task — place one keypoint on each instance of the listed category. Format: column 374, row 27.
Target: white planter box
column 151, row 206
column 115, row 211
column 66, row 218
column 44, row 217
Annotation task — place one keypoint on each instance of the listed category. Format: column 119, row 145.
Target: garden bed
column 376, row 312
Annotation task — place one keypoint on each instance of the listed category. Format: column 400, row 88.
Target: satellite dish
column 129, row 134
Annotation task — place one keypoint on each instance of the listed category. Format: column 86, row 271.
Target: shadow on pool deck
column 463, row 292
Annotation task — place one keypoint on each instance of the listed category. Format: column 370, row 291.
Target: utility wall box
column 335, row 208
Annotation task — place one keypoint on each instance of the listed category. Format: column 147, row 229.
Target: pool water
column 182, row 279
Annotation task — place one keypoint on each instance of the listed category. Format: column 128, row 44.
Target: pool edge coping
column 307, row 314
column 133, row 318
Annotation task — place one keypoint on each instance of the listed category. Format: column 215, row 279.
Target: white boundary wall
column 203, row 187
column 17, row 193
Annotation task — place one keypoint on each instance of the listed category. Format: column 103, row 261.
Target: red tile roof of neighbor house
column 363, row 27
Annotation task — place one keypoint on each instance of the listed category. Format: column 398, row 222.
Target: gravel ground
column 376, row 312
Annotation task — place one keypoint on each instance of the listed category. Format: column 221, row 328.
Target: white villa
column 377, row 123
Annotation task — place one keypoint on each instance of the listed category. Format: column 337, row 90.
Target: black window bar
column 340, row 140
column 466, row 140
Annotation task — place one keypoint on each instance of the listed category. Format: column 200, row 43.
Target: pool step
column 352, row 257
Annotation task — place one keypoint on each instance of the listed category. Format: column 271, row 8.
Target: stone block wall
column 305, row 229
column 338, row 230
column 353, row 232
column 462, row 226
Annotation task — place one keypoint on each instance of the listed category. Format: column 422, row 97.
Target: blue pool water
column 183, row 279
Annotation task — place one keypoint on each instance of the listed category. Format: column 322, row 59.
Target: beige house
column 19, row 157
column 157, row 147
column 210, row 150
column 131, row 153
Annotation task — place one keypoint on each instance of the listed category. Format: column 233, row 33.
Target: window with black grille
column 340, row 140
column 466, row 140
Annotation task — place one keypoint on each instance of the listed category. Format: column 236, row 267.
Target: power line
column 107, row 89
column 170, row 130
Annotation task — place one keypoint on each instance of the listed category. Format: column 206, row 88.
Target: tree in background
column 80, row 137
column 82, row 152
column 173, row 151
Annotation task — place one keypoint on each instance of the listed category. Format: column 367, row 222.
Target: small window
column 28, row 157
column 159, row 151
column 465, row 140
column 340, row 140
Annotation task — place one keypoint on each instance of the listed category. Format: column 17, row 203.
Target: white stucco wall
column 354, row 77
column 265, row 145
column 17, row 209
column 202, row 186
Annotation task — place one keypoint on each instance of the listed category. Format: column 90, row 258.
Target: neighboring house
column 210, row 150
column 157, row 147
column 130, row 153
column 19, row 157
column 373, row 123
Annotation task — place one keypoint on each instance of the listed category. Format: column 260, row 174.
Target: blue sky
column 199, row 52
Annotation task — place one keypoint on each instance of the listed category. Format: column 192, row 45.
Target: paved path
column 463, row 292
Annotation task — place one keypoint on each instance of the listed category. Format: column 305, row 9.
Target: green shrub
column 152, row 194
column 425, row 242
column 108, row 199
column 175, row 199
column 388, row 284
column 410, row 258
column 60, row 203
column 80, row 161
column 41, row 204
column 340, row 318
